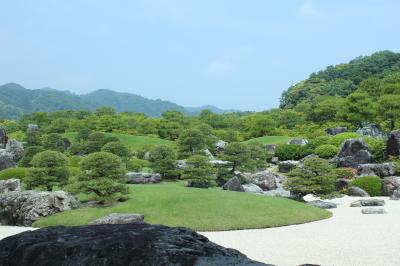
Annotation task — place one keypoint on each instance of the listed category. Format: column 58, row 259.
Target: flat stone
column 357, row 192
column 373, row 211
column 322, row 204
column 119, row 218
column 368, row 202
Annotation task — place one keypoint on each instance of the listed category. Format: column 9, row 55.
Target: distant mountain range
column 16, row 100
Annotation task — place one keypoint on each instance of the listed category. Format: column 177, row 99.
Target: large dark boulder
column 266, row 180
column 357, row 192
column 353, row 152
column 143, row 178
column 233, row 184
column 287, row 166
column 135, row 244
column 393, row 143
column 376, row 169
column 335, row 130
column 342, row 183
column 24, row 208
column 390, row 184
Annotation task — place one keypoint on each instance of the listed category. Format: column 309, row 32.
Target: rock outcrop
column 353, row 152
column 16, row 149
column 133, row 244
column 233, row 184
column 6, row 160
column 390, row 184
column 10, row 185
column 371, row 130
column 220, row 144
column 393, row 143
column 143, row 178
column 357, row 192
column 119, row 218
column 265, row 180
column 335, row 130
column 376, row 169
column 3, row 137
column 287, row 166
column 24, row 208
column 11, row 151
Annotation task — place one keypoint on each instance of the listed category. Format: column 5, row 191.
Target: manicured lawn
column 133, row 141
column 272, row 140
column 172, row 204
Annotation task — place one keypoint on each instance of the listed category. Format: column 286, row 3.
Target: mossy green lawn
column 277, row 140
column 170, row 203
column 133, row 141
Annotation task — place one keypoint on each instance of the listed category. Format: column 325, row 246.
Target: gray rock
column 252, row 188
column 133, row 244
column 390, row 184
column 209, row 154
column 32, row 128
column 220, row 144
column 395, row 195
column 270, row 148
column 368, row 202
column 119, row 218
column 357, row 192
column 353, row 152
column 376, row 169
column 393, row 143
column 342, row 183
column 16, row 149
column 308, row 157
column 146, row 155
column 6, row 160
column 275, row 160
column 143, row 178
column 278, row 192
column 335, row 130
column 287, row 166
column 219, row 162
column 371, row 130
column 233, row 184
column 10, row 185
column 24, row 208
column 301, row 142
column 373, row 211
column 265, row 180
column 322, row 204
column 181, row 164
column 3, row 137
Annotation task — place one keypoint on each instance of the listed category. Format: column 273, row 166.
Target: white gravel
column 349, row 238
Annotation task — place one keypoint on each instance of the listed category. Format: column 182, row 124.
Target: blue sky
column 232, row 54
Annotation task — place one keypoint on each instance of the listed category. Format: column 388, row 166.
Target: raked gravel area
column 349, row 238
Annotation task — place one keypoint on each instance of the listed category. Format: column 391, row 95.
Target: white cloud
column 307, row 9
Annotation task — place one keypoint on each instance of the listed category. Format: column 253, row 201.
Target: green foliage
column 19, row 173
column 28, row 155
column 199, row 171
column 315, row 176
column 377, row 148
column 83, row 134
column 371, row 184
column 238, row 155
column 136, row 165
column 163, row 161
column 117, row 148
column 346, row 173
column 50, row 168
column 318, row 141
column 59, row 125
column 338, row 139
column 53, row 142
column 291, row 152
column 326, row 151
column 191, row 141
column 95, row 142
column 258, row 156
column 103, row 175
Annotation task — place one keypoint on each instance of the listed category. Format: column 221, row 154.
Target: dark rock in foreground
column 393, row 143
column 233, row 184
column 132, row 244
column 357, row 192
column 119, row 218
column 353, row 152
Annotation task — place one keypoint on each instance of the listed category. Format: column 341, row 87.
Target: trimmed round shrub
column 338, row 139
column 19, row 173
column 371, row 184
column 291, row 152
column 326, row 151
column 318, row 141
column 136, row 165
column 346, row 173
column 117, row 148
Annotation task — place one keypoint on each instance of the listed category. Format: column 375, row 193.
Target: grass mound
column 172, row 204
column 277, row 140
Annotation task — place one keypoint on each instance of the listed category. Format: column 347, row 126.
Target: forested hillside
column 367, row 89
column 16, row 100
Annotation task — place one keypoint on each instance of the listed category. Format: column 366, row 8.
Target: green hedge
column 338, row 139
column 326, row 151
column 371, row 184
column 19, row 173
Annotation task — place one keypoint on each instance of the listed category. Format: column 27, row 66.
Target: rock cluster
column 10, row 185
column 266, row 180
column 122, row 244
column 335, row 130
column 390, row 185
column 11, row 151
column 353, row 152
column 287, row 166
column 143, row 178
column 371, row 130
column 376, row 169
column 24, row 208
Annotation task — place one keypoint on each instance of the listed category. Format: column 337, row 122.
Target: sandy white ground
column 349, row 238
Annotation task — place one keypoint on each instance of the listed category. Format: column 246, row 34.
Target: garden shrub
column 117, row 148
column 291, row 152
column 199, row 171
column 318, row 141
column 326, row 151
column 28, row 155
column 19, row 173
column 377, row 148
column 136, row 165
column 338, row 139
column 346, row 173
column 371, row 184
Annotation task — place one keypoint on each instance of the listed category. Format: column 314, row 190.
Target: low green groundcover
column 170, row 203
